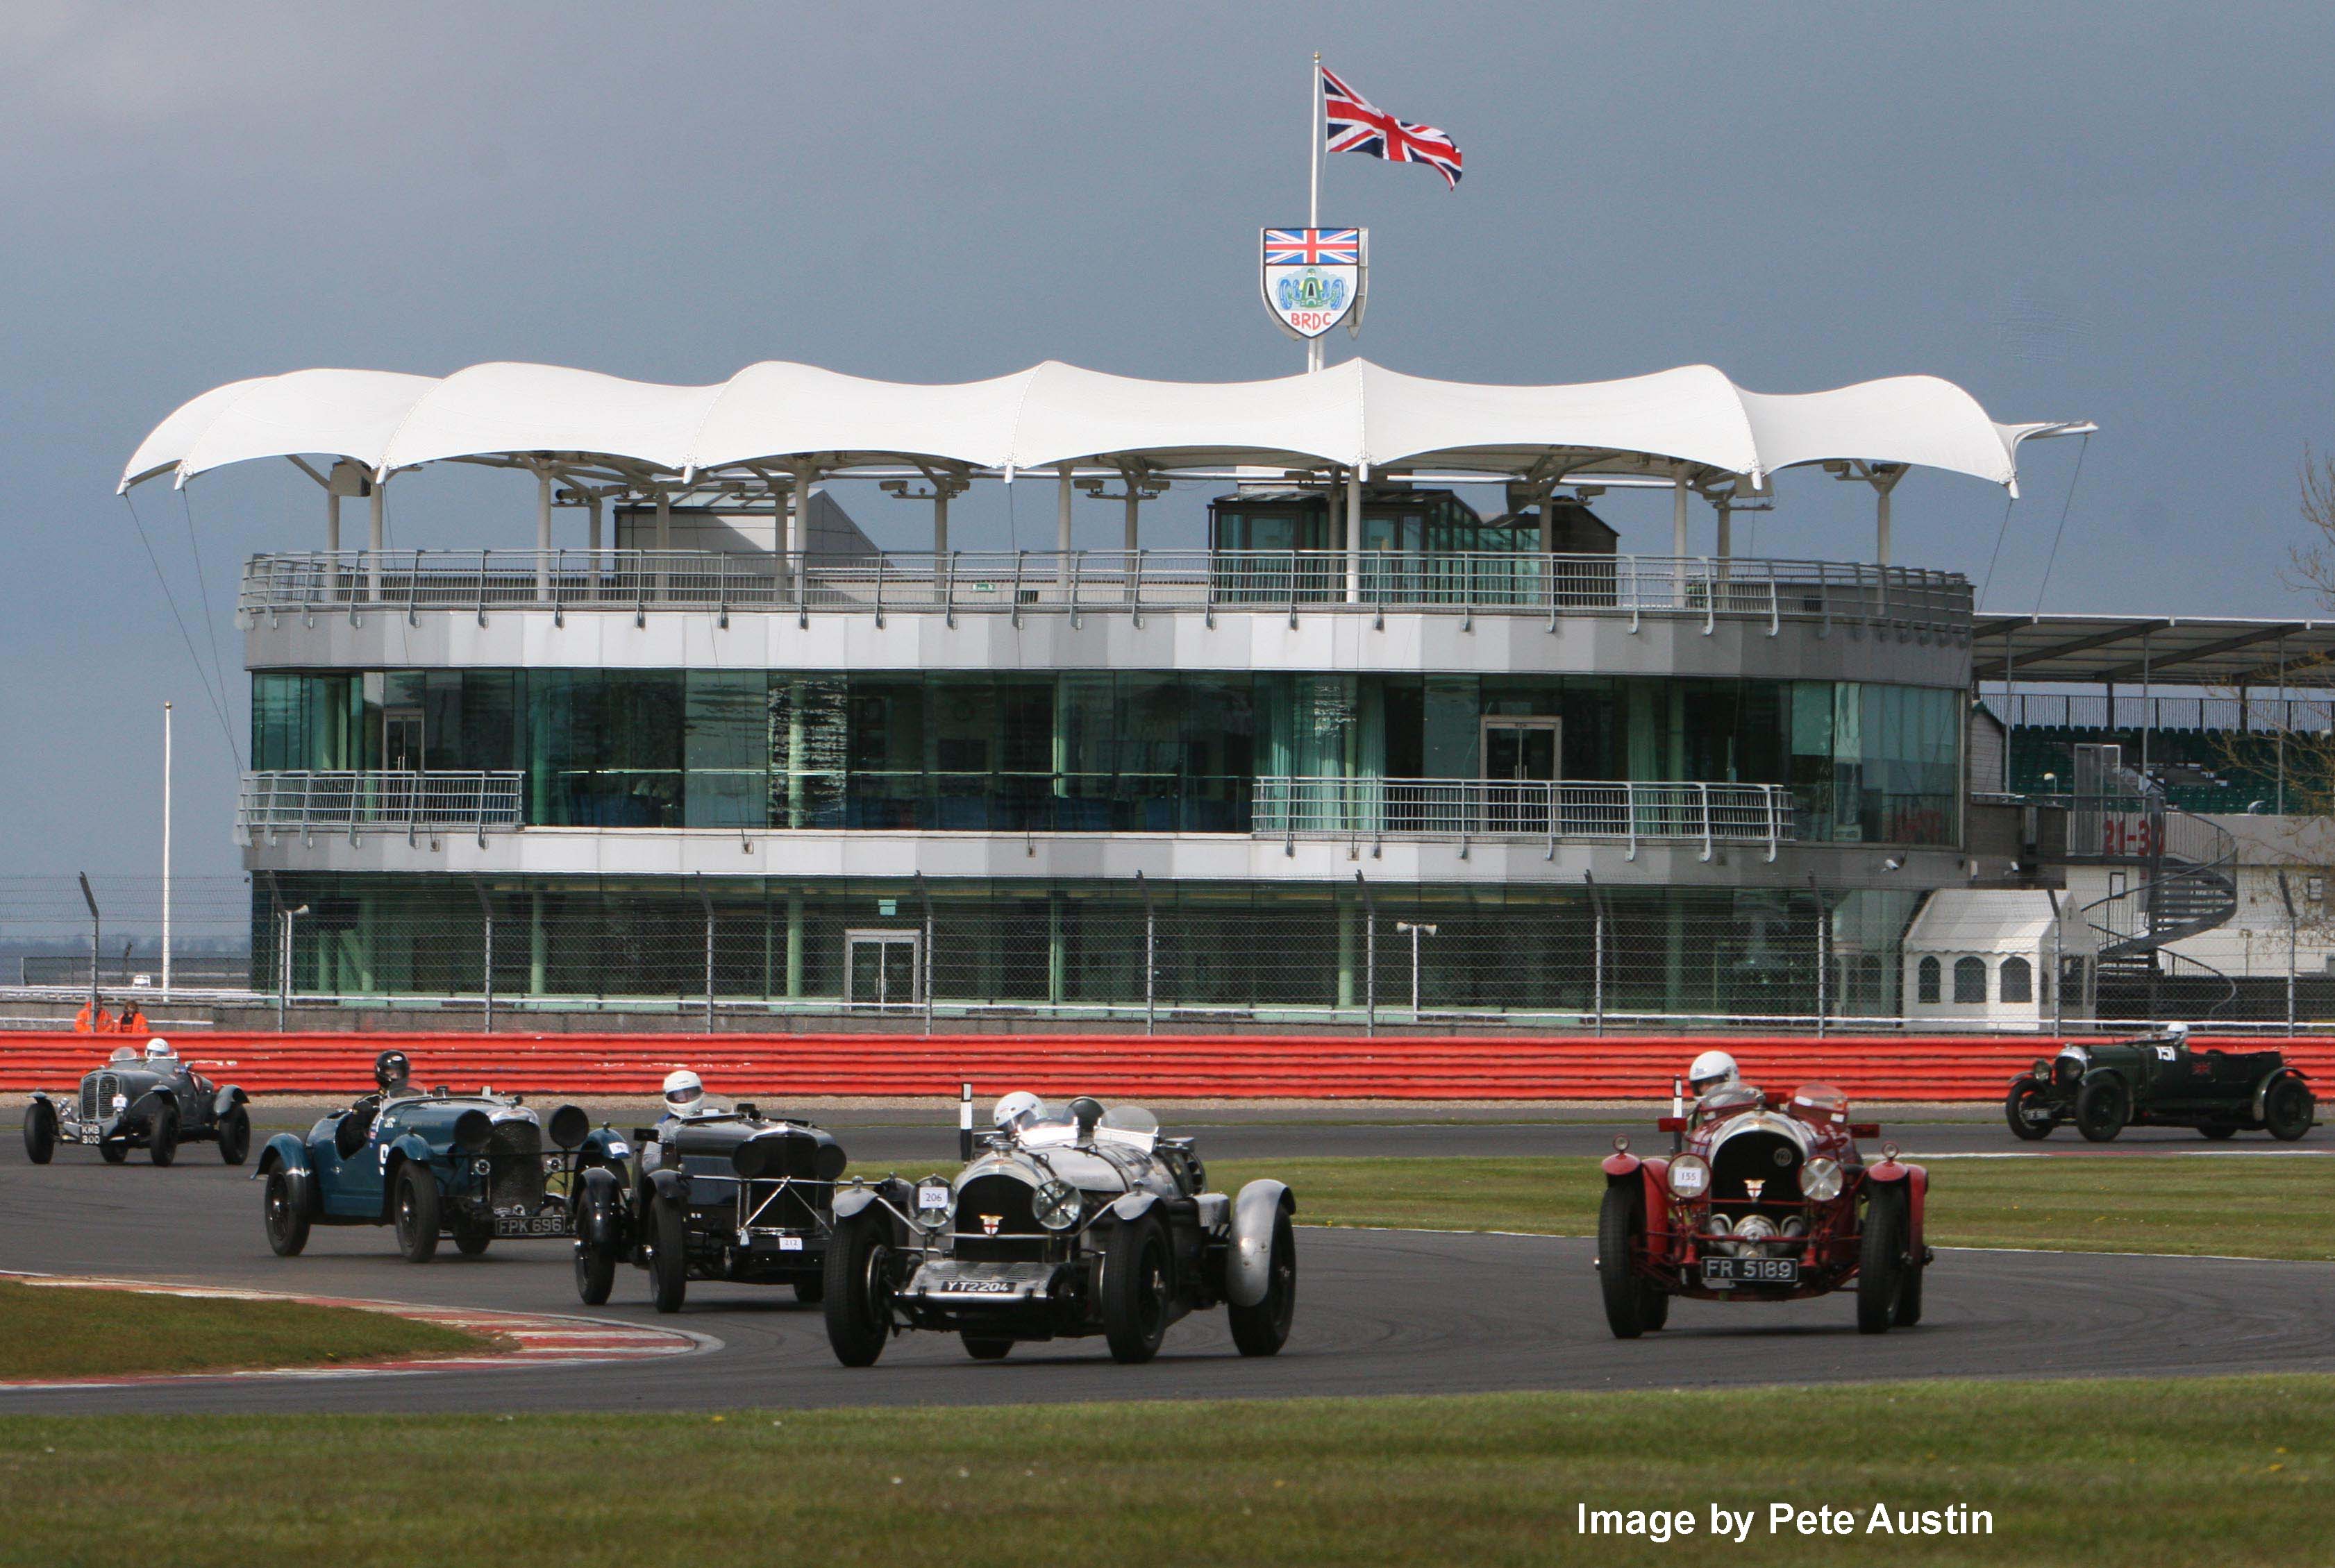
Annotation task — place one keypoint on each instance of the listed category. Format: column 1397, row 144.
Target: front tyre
column 668, row 1253
column 283, row 1216
column 596, row 1262
column 2103, row 1107
column 114, row 1150
column 857, row 1290
column 1262, row 1329
column 1881, row 1263
column 162, row 1135
column 1135, row 1291
column 1620, row 1233
column 2288, row 1109
column 2025, row 1096
column 982, row 1349
column 2217, row 1131
column 40, row 1131
column 472, row 1237
column 810, row 1289
column 234, row 1137
column 417, row 1214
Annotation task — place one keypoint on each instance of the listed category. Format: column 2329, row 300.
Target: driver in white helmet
column 684, row 1096
column 1017, row 1112
column 157, row 1049
column 1713, row 1071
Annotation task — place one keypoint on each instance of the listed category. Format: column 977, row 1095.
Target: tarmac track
column 1380, row 1313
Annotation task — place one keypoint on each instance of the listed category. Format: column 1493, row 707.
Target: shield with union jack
column 1313, row 279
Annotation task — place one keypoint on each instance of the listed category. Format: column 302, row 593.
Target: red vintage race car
column 1763, row 1198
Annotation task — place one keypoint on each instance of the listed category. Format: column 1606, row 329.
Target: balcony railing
column 355, row 803
column 1101, row 582
column 1705, row 815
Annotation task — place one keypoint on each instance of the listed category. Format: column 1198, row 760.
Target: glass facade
column 1134, row 751
column 1234, row 945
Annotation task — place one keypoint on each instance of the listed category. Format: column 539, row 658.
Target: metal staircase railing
column 2187, row 883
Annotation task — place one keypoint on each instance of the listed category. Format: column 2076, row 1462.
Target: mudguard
column 669, row 1184
column 142, row 1111
column 849, row 1201
column 1621, row 1163
column 227, row 1100
column 599, row 1211
column 2262, row 1090
column 1134, row 1205
column 43, row 1095
column 1915, row 1180
column 284, row 1151
column 1248, row 1256
column 607, row 1145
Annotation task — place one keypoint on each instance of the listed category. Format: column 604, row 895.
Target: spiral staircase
column 2184, row 883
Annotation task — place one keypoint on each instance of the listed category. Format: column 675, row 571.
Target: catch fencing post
column 1824, row 957
column 924, row 958
column 486, row 983
column 1369, row 958
column 283, row 960
column 96, row 938
column 2285, row 896
column 1597, row 950
column 1151, row 955
column 707, row 900
column 1417, row 930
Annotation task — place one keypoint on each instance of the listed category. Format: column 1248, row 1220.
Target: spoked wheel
column 1135, row 1291
column 1262, row 1329
column 2019, row 1107
column 162, row 1136
column 234, row 1137
column 2287, row 1112
column 40, row 1131
column 2102, row 1107
column 668, row 1254
column 283, row 1216
column 417, row 1214
column 1620, row 1233
column 858, row 1289
column 1882, row 1265
column 982, row 1349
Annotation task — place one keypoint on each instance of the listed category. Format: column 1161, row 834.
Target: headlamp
column 1057, row 1206
column 1690, row 1176
column 934, row 1207
column 121, row 1102
column 1820, row 1179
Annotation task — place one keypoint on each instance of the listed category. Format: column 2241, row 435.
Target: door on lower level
column 883, row 968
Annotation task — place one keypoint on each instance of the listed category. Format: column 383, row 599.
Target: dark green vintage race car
column 2157, row 1081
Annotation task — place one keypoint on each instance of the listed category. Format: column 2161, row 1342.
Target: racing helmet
column 2178, row 1030
column 684, row 1093
column 391, row 1068
column 1017, row 1110
column 1713, row 1070
column 159, row 1050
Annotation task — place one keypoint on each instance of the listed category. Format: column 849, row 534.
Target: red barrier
column 1244, row 1066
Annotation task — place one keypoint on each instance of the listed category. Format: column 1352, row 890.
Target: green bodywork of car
column 2159, row 1079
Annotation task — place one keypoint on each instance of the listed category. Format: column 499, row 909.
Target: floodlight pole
column 96, row 941
column 1313, row 181
column 166, row 851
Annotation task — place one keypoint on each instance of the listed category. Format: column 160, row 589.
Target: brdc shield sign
column 1313, row 279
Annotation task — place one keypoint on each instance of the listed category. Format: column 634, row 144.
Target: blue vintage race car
column 471, row 1166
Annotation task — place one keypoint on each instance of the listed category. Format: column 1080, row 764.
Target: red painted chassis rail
column 1242, row 1066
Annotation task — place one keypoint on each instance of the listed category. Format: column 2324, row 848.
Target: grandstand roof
column 2050, row 649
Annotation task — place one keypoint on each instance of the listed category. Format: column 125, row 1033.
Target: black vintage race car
column 154, row 1103
column 727, row 1194
column 1065, row 1223
column 2157, row 1081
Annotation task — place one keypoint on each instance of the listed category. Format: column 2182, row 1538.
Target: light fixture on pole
column 166, row 851
column 1415, row 930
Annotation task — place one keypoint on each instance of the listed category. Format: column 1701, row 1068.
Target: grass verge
column 2235, row 1205
column 64, row 1332
column 2226, row 1471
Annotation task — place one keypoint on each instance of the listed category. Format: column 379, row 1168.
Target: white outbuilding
column 1992, row 957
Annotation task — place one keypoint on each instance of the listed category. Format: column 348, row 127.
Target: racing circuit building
column 704, row 740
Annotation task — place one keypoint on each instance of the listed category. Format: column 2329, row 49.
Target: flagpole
column 1313, row 179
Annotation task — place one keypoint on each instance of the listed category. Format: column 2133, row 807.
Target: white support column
column 1678, row 514
column 1134, row 519
column 940, row 522
column 375, row 535
column 1548, row 524
column 332, row 521
column 1881, row 526
column 663, row 538
column 543, row 535
column 592, row 539
column 1062, row 523
column 1726, row 527
column 1355, row 535
column 799, row 523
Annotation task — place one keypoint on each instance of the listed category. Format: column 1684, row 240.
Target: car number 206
column 1758, row 1271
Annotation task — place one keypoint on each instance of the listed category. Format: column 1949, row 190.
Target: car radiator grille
column 515, row 1157
column 1018, row 1238
column 97, row 1093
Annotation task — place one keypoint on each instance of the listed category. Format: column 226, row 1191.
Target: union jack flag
column 1312, row 247
column 1355, row 124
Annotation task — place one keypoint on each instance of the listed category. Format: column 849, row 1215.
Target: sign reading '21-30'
column 1313, row 279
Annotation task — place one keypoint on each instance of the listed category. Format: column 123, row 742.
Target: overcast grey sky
column 2118, row 212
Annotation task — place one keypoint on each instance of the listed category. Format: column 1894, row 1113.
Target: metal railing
column 1618, row 813
column 2134, row 711
column 353, row 802
column 1079, row 582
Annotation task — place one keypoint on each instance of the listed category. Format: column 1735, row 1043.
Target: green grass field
column 60, row 1331
column 2229, row 1471
column 2237, row 1206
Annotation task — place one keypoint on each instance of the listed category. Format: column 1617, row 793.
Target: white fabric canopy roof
column 1356, row 413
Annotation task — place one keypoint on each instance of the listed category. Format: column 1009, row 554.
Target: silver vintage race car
column 1063, row 1224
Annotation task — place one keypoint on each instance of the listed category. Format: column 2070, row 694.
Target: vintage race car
column 154, row 1103
column 721, row 1195
column 471, row 1166
column 1062, row 1225
column 1763, row 1198
column 2157, row 1081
